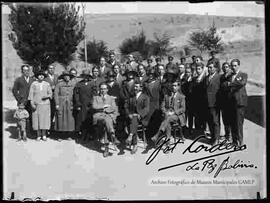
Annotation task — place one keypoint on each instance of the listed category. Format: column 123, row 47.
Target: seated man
column 105, row 115
column 136, row 108
column 173, row 107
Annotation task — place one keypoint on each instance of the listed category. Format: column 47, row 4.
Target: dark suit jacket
column 212, row 90
column 178, row 106
column 224, row 90
column 186, row 88
column 238, row 93
column 141, row 106
column 52, row 82
column 104, row 73
column 21, row 89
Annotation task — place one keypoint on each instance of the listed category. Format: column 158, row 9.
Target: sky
column 247, row 9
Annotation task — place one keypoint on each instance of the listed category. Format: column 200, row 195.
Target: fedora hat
column 130, row 71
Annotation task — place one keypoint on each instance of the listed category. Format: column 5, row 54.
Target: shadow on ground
column 255, row 110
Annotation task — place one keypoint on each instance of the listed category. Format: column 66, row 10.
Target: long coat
column 41, row 116
column 63, row 95
column 176, row 104
column 140, row 106
column 21, row 89
column 83, row 96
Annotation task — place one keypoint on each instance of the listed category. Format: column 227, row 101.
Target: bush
column 137, row 43
column 95, row 49
column 160, row 46
column 42, row 34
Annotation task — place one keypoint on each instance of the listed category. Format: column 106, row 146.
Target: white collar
column 138, row 94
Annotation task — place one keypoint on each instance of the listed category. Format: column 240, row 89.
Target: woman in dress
column 39, row 95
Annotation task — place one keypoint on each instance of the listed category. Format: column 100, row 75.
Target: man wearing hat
column 149, row 64
column 82, row 104
column 170, row 65
column 183, row 60
column 131, row 64
column 128, row 84
column 158, row 63
column 215, row 60
column 63, row 95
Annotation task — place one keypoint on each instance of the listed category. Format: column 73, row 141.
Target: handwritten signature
column 224, row 148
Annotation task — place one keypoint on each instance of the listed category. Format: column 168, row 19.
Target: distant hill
column 240, row 34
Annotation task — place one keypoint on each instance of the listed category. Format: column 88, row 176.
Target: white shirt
column 27, row 79
column 51, row 76
column 182, row 75
column 234, row 76
column 102, row 69
column 138, row 94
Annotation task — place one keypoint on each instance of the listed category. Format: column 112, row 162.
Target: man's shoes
column 19, row 139
column 129, row 139
column 44, row 138
column 24, row 138
column 38, row 138
column 155, row 137
column 134, row 150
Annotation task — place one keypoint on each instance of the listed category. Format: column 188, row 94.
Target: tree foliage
column 206, row 40
column 95, row 49
column 136, row 43
column 161, row 46
column 43, row 33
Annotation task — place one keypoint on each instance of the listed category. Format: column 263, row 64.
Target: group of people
column 112, row 101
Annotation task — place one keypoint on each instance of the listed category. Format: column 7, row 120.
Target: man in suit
column 136, row 108
column 225, row 103
column 212, row 94
column 21, row 89
column 142, row 74
column 214, row 60
column 118, row 76
column 105, row 115
column 238, row 97
column 52, row 79
column 173, row 107
column 149, row 65
column 187, row 91
column 112, row 61
column 103, row 69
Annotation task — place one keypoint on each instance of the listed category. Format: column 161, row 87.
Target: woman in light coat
column 39, row 95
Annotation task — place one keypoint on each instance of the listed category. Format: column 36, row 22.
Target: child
column 21, row 115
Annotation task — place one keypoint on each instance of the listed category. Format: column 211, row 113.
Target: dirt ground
column 67, row 170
